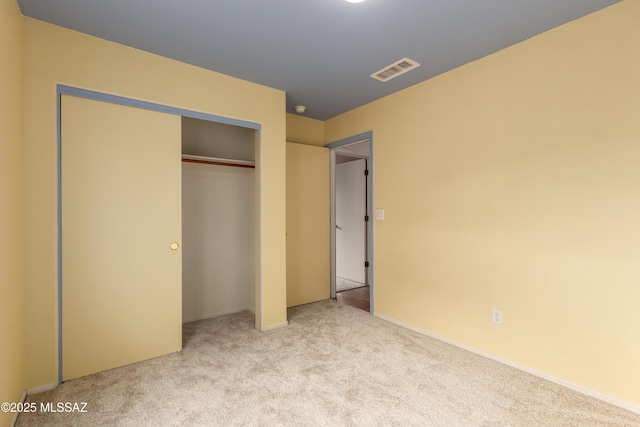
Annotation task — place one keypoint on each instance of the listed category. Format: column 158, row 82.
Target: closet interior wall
column 218, row 219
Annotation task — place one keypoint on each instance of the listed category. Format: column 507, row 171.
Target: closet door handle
column 174, row 246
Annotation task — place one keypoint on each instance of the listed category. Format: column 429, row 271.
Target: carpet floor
column 333, row 365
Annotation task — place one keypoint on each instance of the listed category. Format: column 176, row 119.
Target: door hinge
column 366, row 263
column 366, row 171
column 366, row 218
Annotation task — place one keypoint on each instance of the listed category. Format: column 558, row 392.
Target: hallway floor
column 358, row 297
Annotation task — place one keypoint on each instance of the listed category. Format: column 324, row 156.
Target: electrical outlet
column 497, row 316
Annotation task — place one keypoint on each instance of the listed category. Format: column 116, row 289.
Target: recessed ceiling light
column 355, row 1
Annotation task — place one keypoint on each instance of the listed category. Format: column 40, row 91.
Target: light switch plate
column 380, row 214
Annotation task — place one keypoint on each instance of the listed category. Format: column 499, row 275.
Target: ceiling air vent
column 394, row 70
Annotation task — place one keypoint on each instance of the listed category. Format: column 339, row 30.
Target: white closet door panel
column 121, row 211
column 351, row 226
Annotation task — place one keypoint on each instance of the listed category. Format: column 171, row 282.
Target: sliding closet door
column 121, row 231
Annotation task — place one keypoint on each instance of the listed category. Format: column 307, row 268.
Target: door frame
column 136, row 103
column 370, row 273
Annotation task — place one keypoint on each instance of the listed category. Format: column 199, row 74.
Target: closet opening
column 218, row 219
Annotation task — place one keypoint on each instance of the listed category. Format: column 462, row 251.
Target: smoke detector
column 300, row 109
column 394, row 70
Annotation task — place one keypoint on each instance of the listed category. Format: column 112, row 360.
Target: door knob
column 174, row 246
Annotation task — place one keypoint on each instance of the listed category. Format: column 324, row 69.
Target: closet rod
column 216, row 161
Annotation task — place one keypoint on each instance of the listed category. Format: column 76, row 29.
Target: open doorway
column 218, row 219
column 351, row 281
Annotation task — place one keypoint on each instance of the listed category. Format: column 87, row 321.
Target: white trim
column 41, row 388
column 276, row 326
column 14, row 419
column 568, row 384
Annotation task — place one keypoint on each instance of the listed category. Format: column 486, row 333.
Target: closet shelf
column 218, row 161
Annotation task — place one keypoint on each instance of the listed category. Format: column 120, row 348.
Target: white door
column 121, row 223
column 350, row 220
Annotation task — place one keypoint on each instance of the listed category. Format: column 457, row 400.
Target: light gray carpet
column 346, row 284
column 333, row 365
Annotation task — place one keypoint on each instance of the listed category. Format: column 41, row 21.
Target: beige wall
column 308, row 221
column 55, row 55
column 512, row 183
column 12, row 367
column 304, row 130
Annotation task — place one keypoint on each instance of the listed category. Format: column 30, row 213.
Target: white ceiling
column 321, row 52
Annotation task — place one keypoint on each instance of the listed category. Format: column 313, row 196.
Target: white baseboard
column 276, row 326
column 568, row 384
column 41, row 388
column 14, row 419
